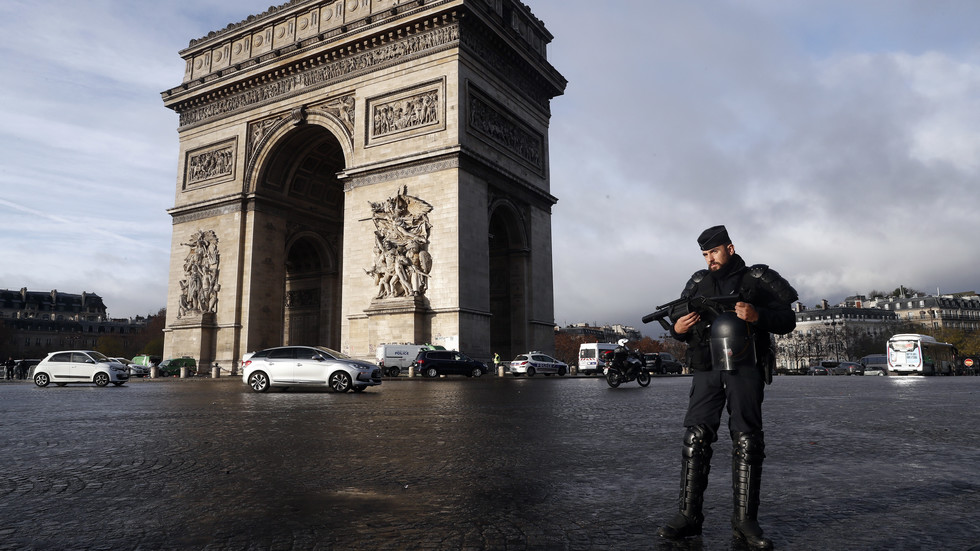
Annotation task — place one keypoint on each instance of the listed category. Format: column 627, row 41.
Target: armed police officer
column 732, row 360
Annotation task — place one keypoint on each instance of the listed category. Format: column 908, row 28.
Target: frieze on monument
column 211, row 163
column 324, row 74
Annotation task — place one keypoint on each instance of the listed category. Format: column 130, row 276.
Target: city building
column 605, row 333
column 949, row 311
column 33, row 323
column 832, row 333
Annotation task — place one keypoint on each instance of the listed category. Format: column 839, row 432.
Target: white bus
column 590, row 357
column 912, row 354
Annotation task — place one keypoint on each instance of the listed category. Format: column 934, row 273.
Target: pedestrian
column 496, row 360
column 8, row 368
column 738, row 380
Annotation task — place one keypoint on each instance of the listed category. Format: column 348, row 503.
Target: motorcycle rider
column 765, row 308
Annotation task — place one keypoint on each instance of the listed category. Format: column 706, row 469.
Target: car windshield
column 333, row 353
column 98, row 356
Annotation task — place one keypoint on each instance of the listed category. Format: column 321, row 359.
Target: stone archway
column 508, row 283
column 297, row 190
column 311, row 134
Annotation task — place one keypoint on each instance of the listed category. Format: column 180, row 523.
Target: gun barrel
column 659, row 314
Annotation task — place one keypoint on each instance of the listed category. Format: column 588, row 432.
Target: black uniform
column 741, row 390
column 772, row 298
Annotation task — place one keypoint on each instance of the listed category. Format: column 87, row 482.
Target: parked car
column 875, row 364
column 79, row 366
column 432, row 363
column 535, row 362
column 818, row 370
column 146, row 360
column 669, row 364
column 291, row 366
column 135, row 370
column 832, row 368
column 851, row 368
column 171, row 367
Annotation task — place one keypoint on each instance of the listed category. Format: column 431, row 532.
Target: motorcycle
column 624, row 365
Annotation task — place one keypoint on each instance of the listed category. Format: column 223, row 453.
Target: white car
column 290, row 366
column 535, row 362
column 135, row 370
column 79, row 366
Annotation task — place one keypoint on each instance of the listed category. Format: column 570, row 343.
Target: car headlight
column 359, row 367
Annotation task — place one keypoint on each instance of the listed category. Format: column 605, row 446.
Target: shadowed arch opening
column 300, row 199
column 509, row 256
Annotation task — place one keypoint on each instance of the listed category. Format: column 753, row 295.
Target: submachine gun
column 708, row 308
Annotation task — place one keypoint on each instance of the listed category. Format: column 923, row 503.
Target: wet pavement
column 876, row 463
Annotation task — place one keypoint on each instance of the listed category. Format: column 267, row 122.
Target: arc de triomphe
column 359, row 172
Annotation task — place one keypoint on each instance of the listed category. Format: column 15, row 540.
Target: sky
column 838, row 141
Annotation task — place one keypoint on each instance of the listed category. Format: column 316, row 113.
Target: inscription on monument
column 401, row 246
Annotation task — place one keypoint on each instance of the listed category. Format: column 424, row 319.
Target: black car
column 432, row 363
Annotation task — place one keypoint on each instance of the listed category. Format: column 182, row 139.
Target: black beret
column 713, row 237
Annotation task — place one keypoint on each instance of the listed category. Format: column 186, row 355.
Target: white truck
column 393, row 358
column 590, row 357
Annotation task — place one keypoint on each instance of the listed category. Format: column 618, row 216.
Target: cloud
column 837, row 140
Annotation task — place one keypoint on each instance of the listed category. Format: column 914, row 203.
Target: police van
column 393, row 358
column 590, row 357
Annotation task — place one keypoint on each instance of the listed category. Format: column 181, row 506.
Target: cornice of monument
column 344, row 44
column 294, row 6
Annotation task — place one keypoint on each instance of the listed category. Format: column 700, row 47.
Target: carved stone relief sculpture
column 401, row 246
column 211, row 163
column 199, row 288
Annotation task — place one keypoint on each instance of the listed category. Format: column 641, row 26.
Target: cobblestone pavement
column 875, row 463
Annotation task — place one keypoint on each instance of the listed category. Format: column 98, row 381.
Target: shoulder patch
column 758, row 270
column 699, row 275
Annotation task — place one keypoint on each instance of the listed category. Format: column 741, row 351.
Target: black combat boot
column 695, row 465
column 748, row 451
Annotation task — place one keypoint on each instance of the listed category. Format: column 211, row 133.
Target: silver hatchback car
column 291, row 366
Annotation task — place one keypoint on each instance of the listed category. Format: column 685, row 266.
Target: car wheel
column 643, row 378
column 42, row 379
column 101, row 379
column 340, row 381
column 258, row 381
column 561, row 371
column 530, row 372
column 476, row 372
column 394, row 371
column 431, row 373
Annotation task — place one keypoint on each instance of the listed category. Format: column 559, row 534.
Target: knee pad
column 749, row 447
column 697, row 441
